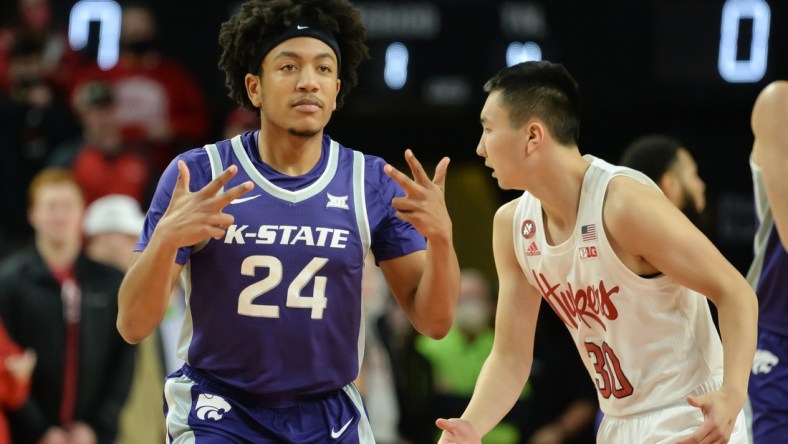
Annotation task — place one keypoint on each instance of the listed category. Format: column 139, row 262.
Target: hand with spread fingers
column 719, row 417
column 424, row 204
column 193, row 217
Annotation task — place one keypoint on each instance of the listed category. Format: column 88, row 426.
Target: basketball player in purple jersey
column 768, row 273
column 268, row 233
column 623, row 268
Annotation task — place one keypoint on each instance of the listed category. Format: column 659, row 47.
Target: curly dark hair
column 259, row 21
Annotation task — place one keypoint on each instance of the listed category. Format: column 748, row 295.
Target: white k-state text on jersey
column 287, row 235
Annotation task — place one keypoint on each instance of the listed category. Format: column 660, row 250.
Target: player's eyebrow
column 295, row 55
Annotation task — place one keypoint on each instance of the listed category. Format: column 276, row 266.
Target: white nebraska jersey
column 646, row 342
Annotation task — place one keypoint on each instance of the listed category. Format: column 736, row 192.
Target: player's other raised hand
column 424, row 204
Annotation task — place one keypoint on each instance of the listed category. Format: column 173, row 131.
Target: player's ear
column 339, row 86
column 533, row 135
column 254, row 89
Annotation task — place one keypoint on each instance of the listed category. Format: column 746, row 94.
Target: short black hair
column 259, row 21
column 651, row 154
column 540, row 89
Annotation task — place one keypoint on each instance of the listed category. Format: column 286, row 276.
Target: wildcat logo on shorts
column 764, row 361
column 211, row 407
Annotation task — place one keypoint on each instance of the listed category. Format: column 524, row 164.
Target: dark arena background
column 688, row 68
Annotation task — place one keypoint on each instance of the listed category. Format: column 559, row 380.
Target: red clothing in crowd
column 153, row 91
column 13, row 393
column 99, row 174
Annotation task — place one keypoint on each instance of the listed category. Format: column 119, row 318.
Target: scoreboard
column 688, row 67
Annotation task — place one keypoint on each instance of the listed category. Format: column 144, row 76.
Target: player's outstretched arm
column 643, row 224
column 770, row 150
column 506, row 369
column 426, row 284
column 191, row 218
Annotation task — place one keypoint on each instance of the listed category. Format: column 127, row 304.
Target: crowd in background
column 81, row 149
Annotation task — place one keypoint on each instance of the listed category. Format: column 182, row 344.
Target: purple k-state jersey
column 274, row 307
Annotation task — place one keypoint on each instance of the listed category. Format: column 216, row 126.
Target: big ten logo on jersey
column 287, row 235
column 588, row 252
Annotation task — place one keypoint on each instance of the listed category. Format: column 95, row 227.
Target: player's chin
column 502, row 184
column 307, row 132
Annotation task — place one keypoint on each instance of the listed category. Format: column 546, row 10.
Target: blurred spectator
column 34, row 20
column 63, row 305
column 239, row 121
column 457, row 359
column 112, row 226
column 412, row 375
column 670, row 165
column 102, row 162
column 16, row 366
column 158, row 101
column 376, row 378
column 33, row 119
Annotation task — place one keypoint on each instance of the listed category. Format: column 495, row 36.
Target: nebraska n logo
column 337, row 202
column 528, row 229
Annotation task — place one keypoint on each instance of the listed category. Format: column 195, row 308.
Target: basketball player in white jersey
column 614, row 258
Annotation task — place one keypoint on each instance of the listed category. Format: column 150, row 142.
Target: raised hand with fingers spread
column 428, row 300
column 193, row 217
column 424, row 204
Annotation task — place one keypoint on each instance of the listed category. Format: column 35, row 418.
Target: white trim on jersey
column 360, row 198
column 187, row 327
column 290, row 196
column 216, row 162
column 765, row 224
